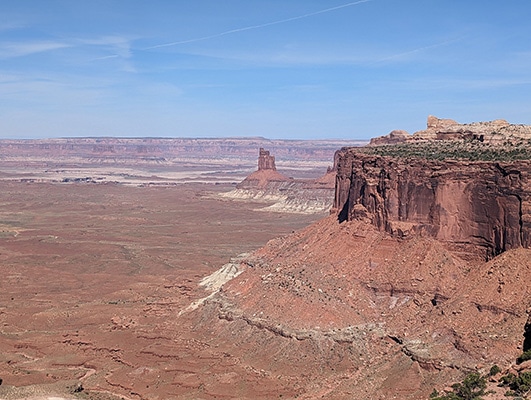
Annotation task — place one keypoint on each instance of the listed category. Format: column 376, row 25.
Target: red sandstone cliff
column 481, row 208
column 420, row 276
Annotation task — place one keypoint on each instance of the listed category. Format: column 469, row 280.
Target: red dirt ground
column 92, row 279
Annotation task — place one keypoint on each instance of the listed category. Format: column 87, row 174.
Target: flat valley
column 99, row 261
column 94, row 277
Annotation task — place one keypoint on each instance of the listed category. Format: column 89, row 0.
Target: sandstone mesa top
column 493, row 132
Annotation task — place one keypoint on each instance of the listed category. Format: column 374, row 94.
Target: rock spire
column 266, row 161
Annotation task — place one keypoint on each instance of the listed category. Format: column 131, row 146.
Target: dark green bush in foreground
column 519, row 385
column 526, row 355
column 472, row 388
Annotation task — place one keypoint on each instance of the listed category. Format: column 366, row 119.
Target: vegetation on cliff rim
column 472, row 150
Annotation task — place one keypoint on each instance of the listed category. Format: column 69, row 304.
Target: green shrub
column 472, row 388
column 526, row 355
column 494, row 370
column 520, row 385
column 507, row 380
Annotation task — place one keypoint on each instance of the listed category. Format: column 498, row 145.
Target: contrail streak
column 251, row 27
column 418, row 50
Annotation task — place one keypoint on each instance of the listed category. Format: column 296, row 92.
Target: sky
column 290, row 69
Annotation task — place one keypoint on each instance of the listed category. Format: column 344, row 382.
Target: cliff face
column 424, row 277
column 478, row 208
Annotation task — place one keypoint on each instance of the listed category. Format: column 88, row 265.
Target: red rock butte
column 265, row 174
column 286, row 194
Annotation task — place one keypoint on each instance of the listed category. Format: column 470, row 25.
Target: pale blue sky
column 302, row 69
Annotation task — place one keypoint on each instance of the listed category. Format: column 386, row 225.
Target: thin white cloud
column 298, row 57
column 446, row 84
column 20, row 49
column 252, row 27
column 9, row 26
column 406, row 54
column 119, row 47
column 479, row 84
column 519, row 62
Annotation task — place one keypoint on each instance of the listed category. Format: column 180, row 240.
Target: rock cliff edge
column 476, row 207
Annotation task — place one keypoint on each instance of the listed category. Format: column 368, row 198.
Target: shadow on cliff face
column 527, row 335
column 342, row 216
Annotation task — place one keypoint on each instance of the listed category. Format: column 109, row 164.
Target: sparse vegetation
column 473, row 387
column 519, row 385
column 494, row 370
column 454, row 150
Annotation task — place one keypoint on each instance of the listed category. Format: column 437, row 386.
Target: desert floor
column 93, row 278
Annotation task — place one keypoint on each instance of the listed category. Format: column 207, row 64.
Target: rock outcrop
column 420, row 275
column 266, row 161
column 285, row 194
column 266, row 174
column 479, row 208
column 395, row 137
column 494, row 132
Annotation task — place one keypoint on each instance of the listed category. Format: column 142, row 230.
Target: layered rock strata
column 479, row 208
column 115, row 150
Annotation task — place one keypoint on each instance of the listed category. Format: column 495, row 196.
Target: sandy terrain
column 93, row 281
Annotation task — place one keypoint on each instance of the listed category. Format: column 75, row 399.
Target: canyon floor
column 94, row 277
